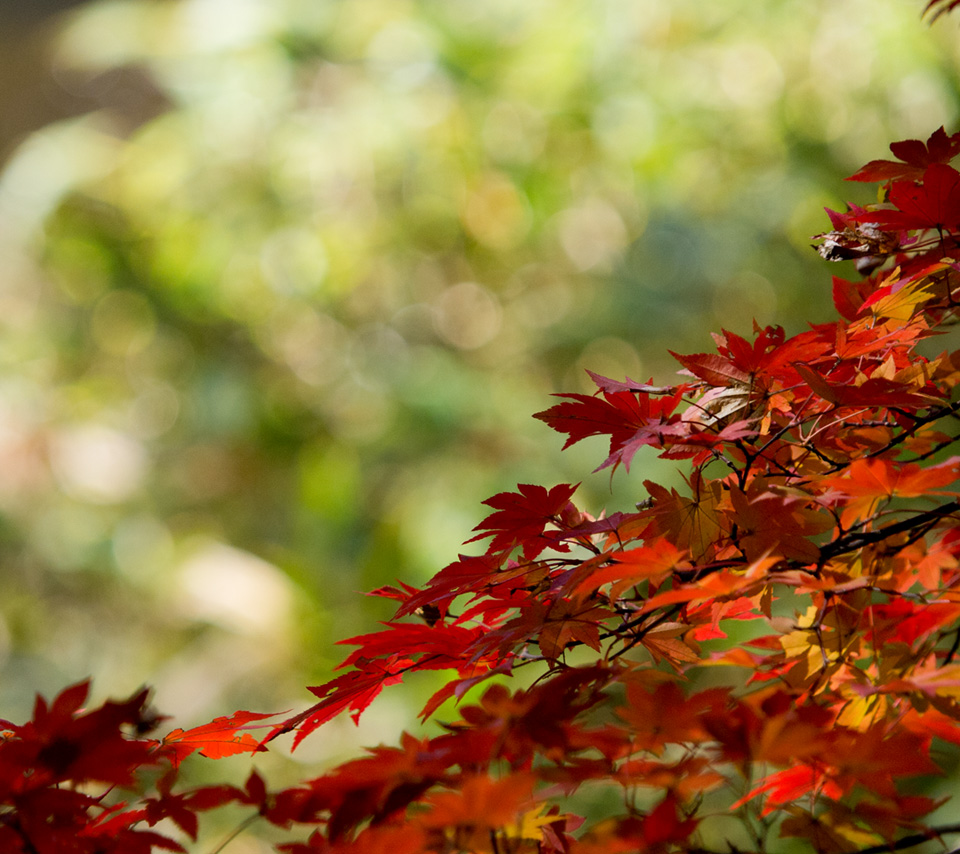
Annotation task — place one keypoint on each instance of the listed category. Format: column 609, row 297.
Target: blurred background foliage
column 284, row 280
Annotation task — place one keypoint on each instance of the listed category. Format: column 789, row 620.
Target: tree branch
column 853, row 542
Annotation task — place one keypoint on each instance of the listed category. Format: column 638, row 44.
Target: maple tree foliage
column 773, row 645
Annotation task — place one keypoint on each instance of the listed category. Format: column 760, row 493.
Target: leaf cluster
column 809, row 564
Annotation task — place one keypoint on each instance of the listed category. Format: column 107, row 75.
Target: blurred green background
column 284, row 280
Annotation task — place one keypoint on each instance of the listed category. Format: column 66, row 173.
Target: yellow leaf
column 528, row 827
column 902, row 304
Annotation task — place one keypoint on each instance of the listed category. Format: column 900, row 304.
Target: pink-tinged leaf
column 607, row 384
column 630, row 420
column 605, row 525
column 714, row 369
column 942, row 682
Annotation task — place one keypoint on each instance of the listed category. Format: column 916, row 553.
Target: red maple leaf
column 354, row 690
column 914, row 155
column 933, row 204
column 848, row 297
column 64, row 741
column 872, row 392
column 631, row 420
column 521, row 517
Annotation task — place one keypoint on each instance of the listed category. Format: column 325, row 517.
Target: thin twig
column 250, row 819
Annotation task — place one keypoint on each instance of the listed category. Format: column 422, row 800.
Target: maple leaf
column 914, row 155
column 878, row 758
column 521, row 518
column 666, row 827
column 933, row 204
column 631, row 420
column 855, row 240
column 867, row 481
column 671, row 642
column 584, row 532
column 568, row 623
column 819, row 831
column 848, row 297
column 701, row 445
column 665, row 716
column 898, row 298
column 625, row 569
column 790, row 784
column 182, row 809
column 714, row 369
column 710, row 614
column 114, row 832
column 354, row 690
column 64, row 741
column 541, row 719
column 628, row 385
column 908, row 622
column 447, row 641
column 468, row 678
column 692, row 524
column 467, row 575
column 687, row 778
column 869, row 392
column 773, row 523
column 221, row 737
column 482, row 802
column 378, row 839
column 931, row 721
column 942, row 682
column 713, row 587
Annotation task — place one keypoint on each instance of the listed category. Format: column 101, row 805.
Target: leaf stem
column 250, row 819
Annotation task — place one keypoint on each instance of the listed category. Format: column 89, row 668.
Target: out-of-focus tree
column 275, row 313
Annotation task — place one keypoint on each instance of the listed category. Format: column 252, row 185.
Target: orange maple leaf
column 868, row 481
column 221, row 737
